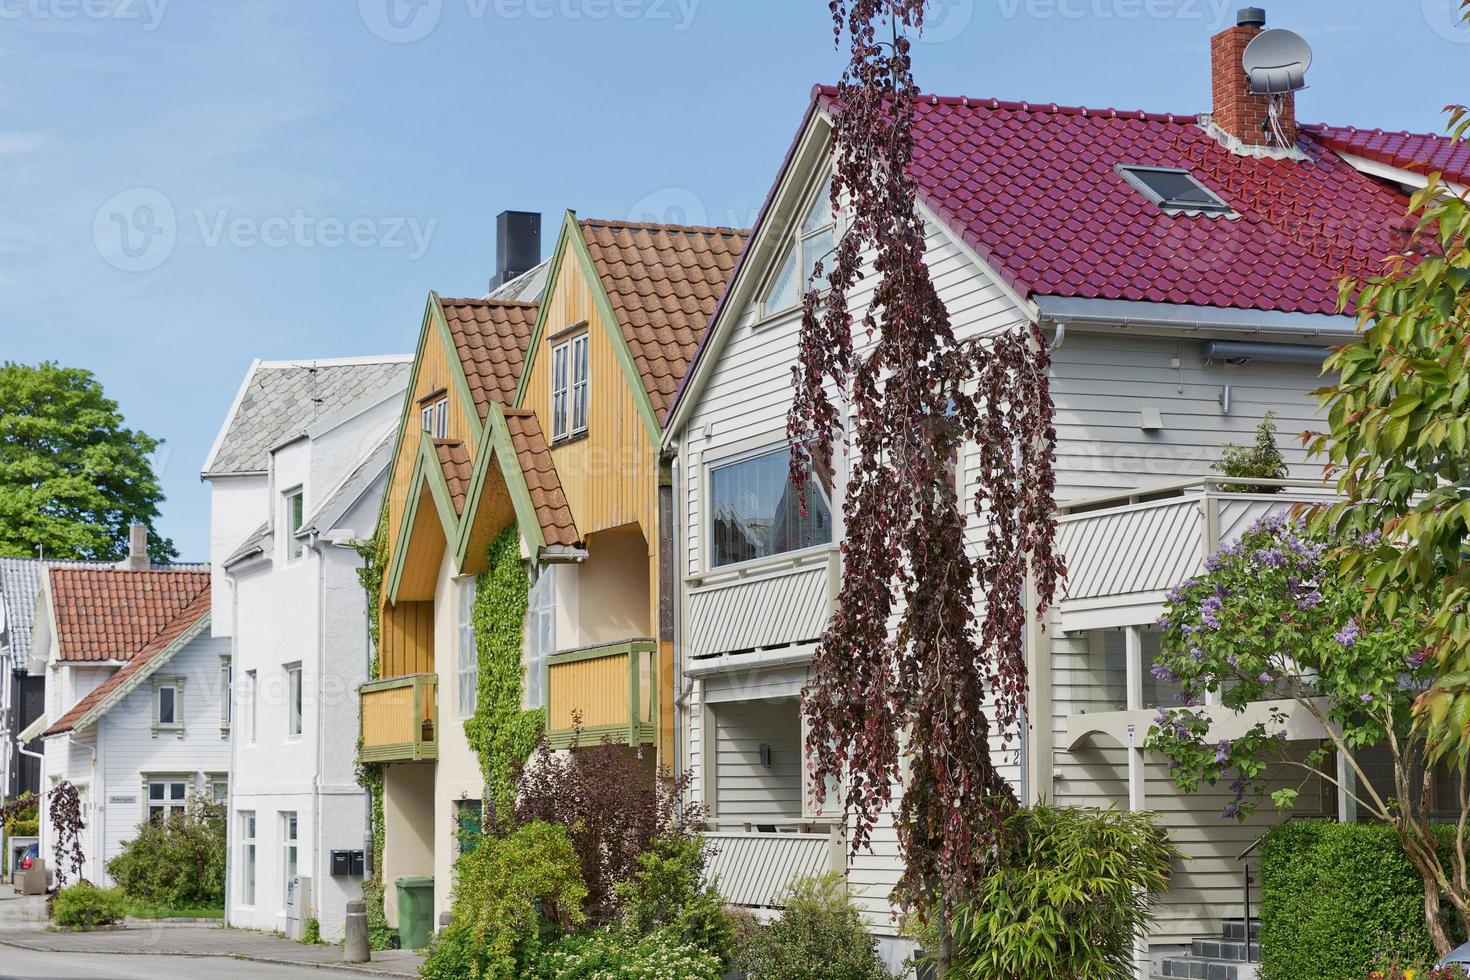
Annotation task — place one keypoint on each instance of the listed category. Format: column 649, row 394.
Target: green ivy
column 370, row 775
column 502, row 734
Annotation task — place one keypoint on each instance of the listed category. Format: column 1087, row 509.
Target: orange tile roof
column 109, row 614
column 492, row 337
column 552, row 510
column 191, row 614
column 664, row 282
column 454, row 459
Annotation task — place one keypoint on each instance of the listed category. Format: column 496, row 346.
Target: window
column 293, row 694
column 755, row 512
column 218, row 786
column 569, row 388
column 289, row 843
column 468, row 675
column 540, row 632
column 168, row 704
column 250, row 713
column 293, row 518
column 1111, row 687
column 166, row 798
column 814, row 242
column 1173, row 189
column 435, row 418
column 247, row 858
column 227, row 689
column 469, row 822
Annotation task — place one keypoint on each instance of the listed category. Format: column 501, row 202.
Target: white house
column 1184, row 269
column 136, row 709
column 297, row 478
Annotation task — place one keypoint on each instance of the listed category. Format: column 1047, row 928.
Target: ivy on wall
column 370, row 775
column 501, row 732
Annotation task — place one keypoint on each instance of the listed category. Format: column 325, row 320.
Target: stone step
column 1190, row 968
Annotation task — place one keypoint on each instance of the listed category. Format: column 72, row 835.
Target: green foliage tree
column 178, row 862
column 72, row 476
column 1277, row 617
column 1261, row 461
column 670, row 894
column 819, row 936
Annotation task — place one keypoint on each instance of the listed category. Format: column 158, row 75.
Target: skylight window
column 1174, row 189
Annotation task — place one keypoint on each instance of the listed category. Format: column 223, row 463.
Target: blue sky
column 301, row 172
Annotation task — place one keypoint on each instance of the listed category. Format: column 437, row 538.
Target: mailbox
column 348, row 864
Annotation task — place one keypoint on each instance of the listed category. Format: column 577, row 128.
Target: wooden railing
column 612, row 690
column 400, row 719
column 755, row 860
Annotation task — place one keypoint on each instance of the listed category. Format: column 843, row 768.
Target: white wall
column 238, row 505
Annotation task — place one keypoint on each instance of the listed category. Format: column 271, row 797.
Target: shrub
column 85, row 906
column 513, row 895
column 1065, row 898
column 311, row 932
column 178, row 862
column 668, row 895
column 1333, row 895
column 610, row 955
column 612, row 803
column 820, row 936
column 1262, row 461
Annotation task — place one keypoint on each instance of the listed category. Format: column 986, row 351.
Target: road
column 25, row 964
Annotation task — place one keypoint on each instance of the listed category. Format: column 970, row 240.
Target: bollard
column 355, row 941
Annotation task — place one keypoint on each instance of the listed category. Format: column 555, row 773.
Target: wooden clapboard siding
column 406, row 639
column 744, row 787
column 598, row 688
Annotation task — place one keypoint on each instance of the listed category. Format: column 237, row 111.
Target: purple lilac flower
column 1280, row 735
column 1309, row 601
column 1417, row 658
column 1365, row 698
column 1197, row 655
column 1348, row 635
column 1161, row 672
column 1222, row 751
column 1372, row 538
column 1164, row 622
column 1265, row 678
column 1231, row 811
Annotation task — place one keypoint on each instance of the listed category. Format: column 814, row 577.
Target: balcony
column 763, row 606
column 400, row 719
column 755, row 861
column 611, row 689
column 1126, row 551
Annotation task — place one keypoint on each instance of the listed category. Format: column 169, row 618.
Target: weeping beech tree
column 912, row 677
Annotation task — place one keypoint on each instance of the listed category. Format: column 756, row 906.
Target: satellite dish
column 1276, row 62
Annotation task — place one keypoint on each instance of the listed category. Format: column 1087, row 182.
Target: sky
column 187, row 185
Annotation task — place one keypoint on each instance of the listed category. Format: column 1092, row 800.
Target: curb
column 272, row 960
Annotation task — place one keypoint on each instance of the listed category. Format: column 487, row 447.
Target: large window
column 569, row 388
column 468, row 676
column 1109, row 663
column 294, row 700
column 295, row 502
column 247, row 858
column 289, row 843
column 540, row 632
column 167, row 797
column 755, row 513
column 812, row 242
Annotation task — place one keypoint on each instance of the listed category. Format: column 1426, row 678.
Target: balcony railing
column 762, row 605
column 755, row 861
column 400, row 719
column 611, row 690
column 1127, row 550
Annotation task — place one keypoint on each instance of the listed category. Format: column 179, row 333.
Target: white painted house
column 136, row 711
column 297, row 476
column 1184, row 271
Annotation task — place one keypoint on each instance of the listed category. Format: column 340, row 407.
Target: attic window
column 1174, row 189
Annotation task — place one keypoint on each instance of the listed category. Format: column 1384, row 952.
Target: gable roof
column 553, row 513
column 491, row 337
column 663, row 282
column 107, row 614
column 281, row 398
column 1420, row 153
column 1034, row 191
column 454, row 460
column 186, row 624
column 20, row 581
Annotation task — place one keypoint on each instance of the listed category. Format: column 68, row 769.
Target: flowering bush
column 611, row 955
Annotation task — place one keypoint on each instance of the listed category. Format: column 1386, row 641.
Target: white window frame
column 217, row 787
column 176, row 686
column 540, row 632
column 249, row 865
column 295, row 701
column 467, row 676
column 795, row 242
column 290, row 851
column 227, row 693
column 434, row 418
column 743, row 453
column 571, row 390
column 166, row 802
column 294, row 512
column 252, row 714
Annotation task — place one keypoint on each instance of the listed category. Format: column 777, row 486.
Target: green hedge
column 1335, row 896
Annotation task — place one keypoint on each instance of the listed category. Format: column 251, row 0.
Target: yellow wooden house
column 547, row 417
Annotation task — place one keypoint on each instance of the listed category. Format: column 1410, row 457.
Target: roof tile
column 110, row 614
column 492, row 337
column 552, row 510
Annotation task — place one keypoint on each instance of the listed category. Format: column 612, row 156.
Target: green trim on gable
column 496, row 444
column 571, row 237
column 426, row 467
column 458, row 379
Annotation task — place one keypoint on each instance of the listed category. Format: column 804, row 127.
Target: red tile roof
column 1033, row 190
column 191, row 614
column 492, row 337
column 1420, row 153
column 454, row 459
column 109, row 614
column 552, row 510
column 663, row 282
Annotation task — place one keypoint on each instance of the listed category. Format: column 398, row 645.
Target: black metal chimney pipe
column 517, row 245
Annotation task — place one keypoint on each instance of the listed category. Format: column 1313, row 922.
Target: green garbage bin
column 415, row 912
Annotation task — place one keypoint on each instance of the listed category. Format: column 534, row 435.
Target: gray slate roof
column 20, row 580
column 282, row 398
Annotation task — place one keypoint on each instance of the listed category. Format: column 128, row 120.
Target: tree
column 909, row 704
column 72, row 477
column 1262, row 461
column 1279, row 616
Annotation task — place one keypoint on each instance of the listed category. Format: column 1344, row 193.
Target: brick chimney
column 137, row 559
column 1238, row 112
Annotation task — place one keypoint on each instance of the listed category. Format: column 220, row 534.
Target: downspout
column 321, row 672
column 681, row 696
